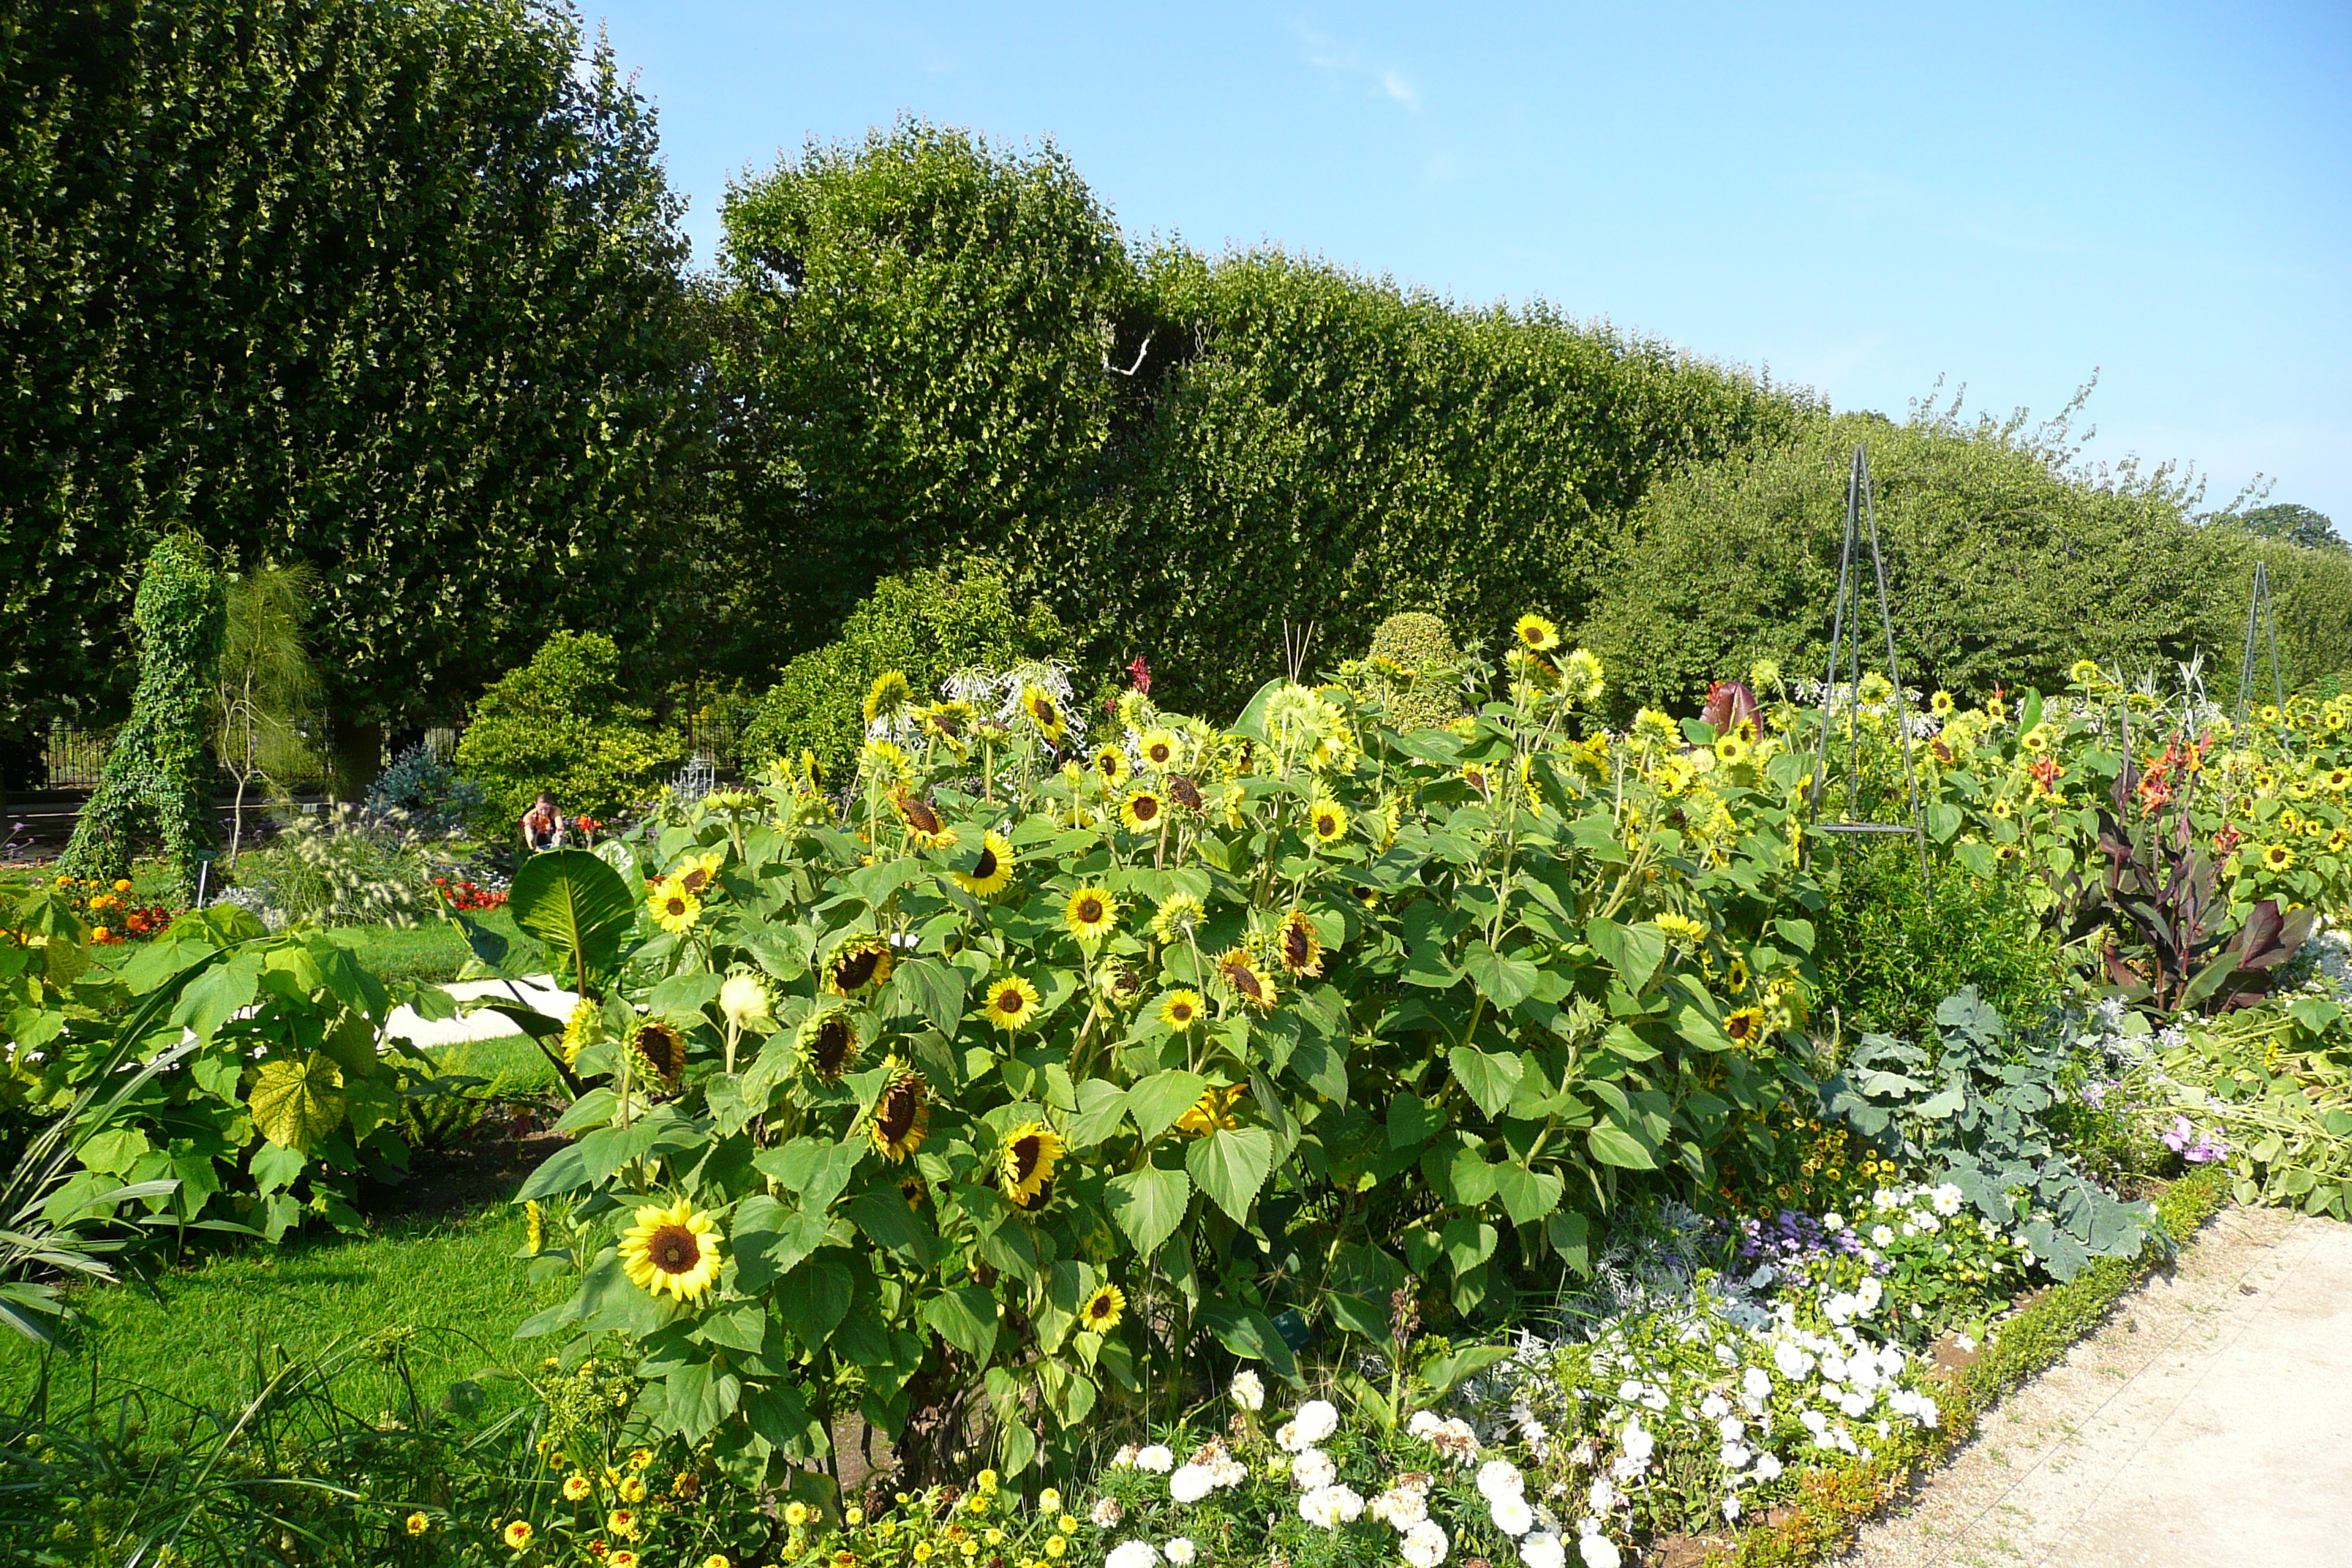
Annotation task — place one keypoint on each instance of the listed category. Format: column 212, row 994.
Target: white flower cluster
column 1450, row 1435
column 1212, row 1467
column 1309, row 1424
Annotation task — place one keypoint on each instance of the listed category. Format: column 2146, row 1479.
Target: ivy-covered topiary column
column 156, row 774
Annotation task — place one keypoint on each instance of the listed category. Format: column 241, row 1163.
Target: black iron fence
column 74, row 758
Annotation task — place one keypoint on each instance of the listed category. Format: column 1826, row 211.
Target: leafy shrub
column 428, row 792
column 1976, row 1111
column 284, row 1096
column 562, row 723
column 926, row 625
column 1415, row 671
column 157, row 778
column 1892, row 948
column 347, row 867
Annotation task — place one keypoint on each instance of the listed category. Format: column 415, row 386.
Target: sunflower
column 1178, row 918
column 1011, row 1002
column 579, row 1030
column 2277, row 857
column 828, row 1043
column 1025, row 1166
column 1038, row 705
column 1111, row 763
column 1941, row 705
column 1735, row 975
column 1213, row 1112
column 1158, row 749
column 662, row 1049
column 2338, row 840
column 695, row 874
column 992, row 871
column 1185, row 793
column 674, row 908
column 888, row 696
column 1536, row 634
column 2339, row 780
column 674, row 1249
column 886, row 762
column 949, row 721
column 923, row 824
column 1090, row 914
column 1745, row 1027
column 1181, row 1010
column 902, row 1116
column 1143, row 811
column 2002, row 811
column 861, row 962
column 534, row 1228
column 1100, row 1312
column 1298, row 946
column 2035, row 740
column 1732, row 747
column 1328, row 818
column 1248, row 982
column 1476, row 778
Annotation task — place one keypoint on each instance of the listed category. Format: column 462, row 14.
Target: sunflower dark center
column 833, row 1042
column 1027, row 1152
column 987, row 865
column 1293, row 947
column 1008, row 1000
column 854, row 969
column 674, row 1249
column 694, row 881
column 1090, row 910
column 1146, row 808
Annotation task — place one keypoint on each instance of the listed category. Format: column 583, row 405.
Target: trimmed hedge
column 1831, row 1505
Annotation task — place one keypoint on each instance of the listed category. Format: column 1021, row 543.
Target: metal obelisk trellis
column 2260, row 615
column 1845, row 629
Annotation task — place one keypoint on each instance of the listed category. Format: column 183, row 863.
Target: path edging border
column 1832, row 1505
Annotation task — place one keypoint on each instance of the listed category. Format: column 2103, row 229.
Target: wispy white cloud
column 1348, row 66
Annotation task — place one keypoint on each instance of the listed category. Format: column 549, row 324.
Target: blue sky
column 1861, row 198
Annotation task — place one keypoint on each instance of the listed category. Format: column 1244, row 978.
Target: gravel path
column 2209, row 1422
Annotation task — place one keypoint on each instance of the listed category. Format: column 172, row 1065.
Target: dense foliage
column 388, row 289
column 937, row 345
column 926, row 625
column 157, row 781
column 2004, row 565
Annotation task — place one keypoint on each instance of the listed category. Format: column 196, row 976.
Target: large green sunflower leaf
column 1150, row 1204
column 296, row 1104
column 1231, row 1166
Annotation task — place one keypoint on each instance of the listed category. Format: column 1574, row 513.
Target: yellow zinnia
column 675, row 1249
column 1025, row 1167
column 1090, row 914
column 1011, row 1002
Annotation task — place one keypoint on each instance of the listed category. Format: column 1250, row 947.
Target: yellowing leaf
column 294, row 1105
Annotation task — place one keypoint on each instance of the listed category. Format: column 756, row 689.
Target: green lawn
column 512, row 1063
column 433, row 952
column 455, row 1281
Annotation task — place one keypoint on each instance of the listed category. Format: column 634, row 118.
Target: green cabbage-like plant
column 981, row 1111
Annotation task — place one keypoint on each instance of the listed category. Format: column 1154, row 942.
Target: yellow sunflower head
column 674, row 908
column 1297, row 945
column 2277, row 857
column 1037, row 705
column 1329, row 821
column 1100, row 1313
column 1143, row 811
column 675, row 1249
column 1090, row 914
column 1179, row 916
column 860, row 962
column 1024, row 1168
column 662, row 1049
column 1181, row 1010
column 888, row 696
column 949, row 721
column 1111, row 763
column 1011, row 1002
column 1158, row 749
column 1185, row 794
column 828, row 1043
column 992, row 871
column 1536, row 634
column 922, row 820
column 1245, row 979
column 1744, row 1027
column 1732, row 747
column 1213, row 1112
column 902, row 1116
column 695, row 874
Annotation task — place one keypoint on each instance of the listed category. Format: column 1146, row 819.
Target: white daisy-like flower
column 1768, row 1467
column 1247, row 1390
column 1179, row 1550
column 1132, row 1554
column 1598, row 1552
column 1499, row 1478
column 1159, row 1458
column 1313, row 1468
column 1881, row 1235
column 1543, row 1550
column 1190, row 1484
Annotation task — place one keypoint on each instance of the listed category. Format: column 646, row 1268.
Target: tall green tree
column 2295, row 524
column 393, row 289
